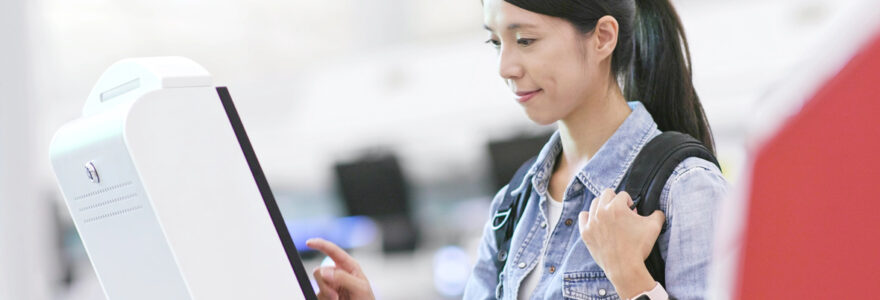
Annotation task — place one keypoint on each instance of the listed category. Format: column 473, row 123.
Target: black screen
column 509, row 154
column 373, row 187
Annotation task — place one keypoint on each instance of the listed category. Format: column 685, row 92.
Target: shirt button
column 543, row 225
column 602, row 292
column 552, row 269
column 568, row 222
column 521, row 265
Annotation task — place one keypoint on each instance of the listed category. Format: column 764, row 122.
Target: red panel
column 813, row 229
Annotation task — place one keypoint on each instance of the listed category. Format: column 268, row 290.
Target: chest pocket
column 588, row 286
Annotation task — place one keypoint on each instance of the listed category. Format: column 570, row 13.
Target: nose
column 509, row 64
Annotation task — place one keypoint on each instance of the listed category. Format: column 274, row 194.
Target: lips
column 524, row 96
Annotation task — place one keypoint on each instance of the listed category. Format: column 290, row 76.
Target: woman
column 566, row 61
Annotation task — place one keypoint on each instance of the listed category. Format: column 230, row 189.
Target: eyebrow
column 513, row 26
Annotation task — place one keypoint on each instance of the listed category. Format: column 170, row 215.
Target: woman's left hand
column 619, row 239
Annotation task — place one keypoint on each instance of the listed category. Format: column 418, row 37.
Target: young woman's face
column 544, row 60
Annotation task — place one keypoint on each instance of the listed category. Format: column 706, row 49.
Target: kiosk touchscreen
column 166, row 192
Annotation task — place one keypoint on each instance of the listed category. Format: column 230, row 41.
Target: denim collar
column 608, row 166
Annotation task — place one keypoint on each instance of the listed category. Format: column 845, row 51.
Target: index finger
column 606, row 197
column 622, row 199
column 339, row 256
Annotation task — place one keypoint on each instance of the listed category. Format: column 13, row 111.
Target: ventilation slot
column 112, row 214
column 108, row 202
column 101, row 191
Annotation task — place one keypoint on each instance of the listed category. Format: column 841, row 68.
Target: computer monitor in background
column 507, row 155
column 375, row 187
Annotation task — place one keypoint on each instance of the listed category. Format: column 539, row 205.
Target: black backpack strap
column 647, row 177
column 508, row 214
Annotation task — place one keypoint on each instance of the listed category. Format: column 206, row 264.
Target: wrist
column 631, row 280
column 657, row 293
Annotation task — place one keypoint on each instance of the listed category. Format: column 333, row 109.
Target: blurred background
column 381, row 124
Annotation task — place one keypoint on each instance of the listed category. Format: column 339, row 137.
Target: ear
column 605, row 37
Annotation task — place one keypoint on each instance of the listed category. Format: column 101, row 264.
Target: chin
column 541, row 119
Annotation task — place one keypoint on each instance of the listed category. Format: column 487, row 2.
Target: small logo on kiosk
column 92, row 172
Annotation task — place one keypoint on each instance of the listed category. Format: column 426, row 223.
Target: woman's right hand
column 343, row 281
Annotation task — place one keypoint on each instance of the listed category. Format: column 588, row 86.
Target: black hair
column 651, row 60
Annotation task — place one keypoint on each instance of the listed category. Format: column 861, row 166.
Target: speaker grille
column 110, row 201
column 112, row 214
column 104, row 190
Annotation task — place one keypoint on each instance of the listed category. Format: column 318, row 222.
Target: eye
column 525, row 42
column 494, row 43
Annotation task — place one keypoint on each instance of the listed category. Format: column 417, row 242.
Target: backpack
column 644, row 181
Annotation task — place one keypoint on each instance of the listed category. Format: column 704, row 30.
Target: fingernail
column 327, row 274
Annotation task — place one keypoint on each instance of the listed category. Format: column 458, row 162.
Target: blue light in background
column 451, row 271
column 347, row 232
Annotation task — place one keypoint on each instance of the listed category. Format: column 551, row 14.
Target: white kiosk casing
column 162, row 194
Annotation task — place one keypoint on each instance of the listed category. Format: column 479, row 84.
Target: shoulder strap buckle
column 496, row 224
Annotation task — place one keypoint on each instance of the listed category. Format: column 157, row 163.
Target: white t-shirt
column 554, row 212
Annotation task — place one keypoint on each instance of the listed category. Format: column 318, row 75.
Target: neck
column 589, row 126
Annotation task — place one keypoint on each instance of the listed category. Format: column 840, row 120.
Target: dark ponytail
column 651, row 61
column 660, row 73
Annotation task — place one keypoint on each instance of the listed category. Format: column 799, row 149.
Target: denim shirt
column 689, row 200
